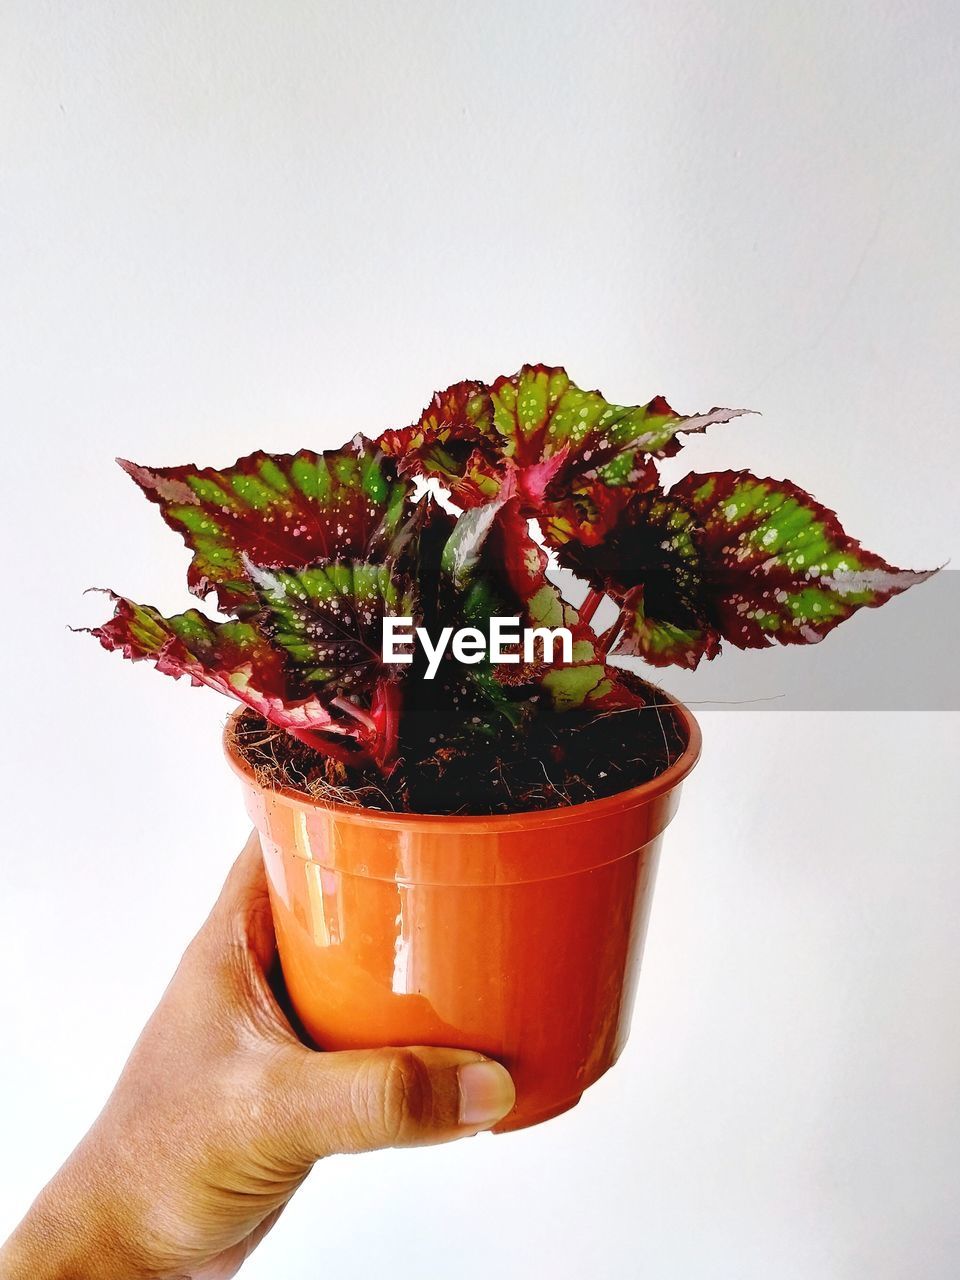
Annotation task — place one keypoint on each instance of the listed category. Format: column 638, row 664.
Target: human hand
column 221, row 1112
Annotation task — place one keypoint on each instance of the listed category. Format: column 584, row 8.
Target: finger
column 362, row 1100
column 246, row 878
column 241, row 914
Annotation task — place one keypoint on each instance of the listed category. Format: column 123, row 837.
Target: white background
column 231, row 225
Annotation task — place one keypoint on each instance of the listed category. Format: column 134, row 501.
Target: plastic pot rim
column 527, row 820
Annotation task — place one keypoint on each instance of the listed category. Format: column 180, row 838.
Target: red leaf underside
column 232, row 657
column 500, row 571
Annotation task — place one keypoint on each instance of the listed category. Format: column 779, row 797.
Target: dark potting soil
column 559, row 760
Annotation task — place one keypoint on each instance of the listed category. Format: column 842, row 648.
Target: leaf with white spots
column 649, row 563
column 579, row 456
column 313, row 551
column 453, row 441
column 576, row 458
column 777, row 566
column 328, row 621
column 235, row 658
column 276, row 510
column 496, row 569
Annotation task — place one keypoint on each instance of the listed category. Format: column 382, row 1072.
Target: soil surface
column 558, row 760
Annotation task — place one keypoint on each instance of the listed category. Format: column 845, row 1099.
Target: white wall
column 227, row 225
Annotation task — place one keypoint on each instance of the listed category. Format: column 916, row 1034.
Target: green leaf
column 586, row 684
column 568, row 442
column 777, row 566
column 234, row 658
column 277, row 510
column 328, row 620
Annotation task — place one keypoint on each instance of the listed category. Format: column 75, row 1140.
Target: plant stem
column 351, row 709
column 590, row 605
column 327, row 747
column 386, row 708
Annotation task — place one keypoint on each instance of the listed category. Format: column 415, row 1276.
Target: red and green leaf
column 453, row 441
column 588, row 685
column 576, row 456
column 650, row 564
column 312, row 551
column 729, row 557
column 570, row 445
column 499, row 570
column 590, row 510
column 235, row 658
column 777, row 565
column 496, row 569
column 276, row 510
column 327, row 621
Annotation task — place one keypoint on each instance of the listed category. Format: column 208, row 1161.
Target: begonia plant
column 308, row 553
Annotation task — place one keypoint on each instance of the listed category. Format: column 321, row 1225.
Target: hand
column 221, row 1112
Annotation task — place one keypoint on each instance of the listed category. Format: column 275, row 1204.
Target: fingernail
column 486, row 1093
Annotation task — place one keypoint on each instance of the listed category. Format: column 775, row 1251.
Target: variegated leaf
column 587, row 685
column 453, row 441
column 234, row 658
column 498, row 570
column 277, row 510
column 576, row 457
column 777, row 565
column 566, row 438
column 650, row 564
column 328, row 620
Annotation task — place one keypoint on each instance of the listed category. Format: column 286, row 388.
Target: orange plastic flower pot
column 517, row 935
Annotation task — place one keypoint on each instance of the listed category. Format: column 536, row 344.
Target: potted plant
column 460, row 799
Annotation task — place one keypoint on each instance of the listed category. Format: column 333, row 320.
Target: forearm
column 74, row 1230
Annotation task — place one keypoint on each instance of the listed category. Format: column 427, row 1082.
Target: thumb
column 362, row 1100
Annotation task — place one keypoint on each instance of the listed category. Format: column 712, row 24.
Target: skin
column 221, row 1112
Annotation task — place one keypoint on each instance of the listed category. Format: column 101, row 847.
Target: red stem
column 382, row 722
column 327, row 747
column 590, row 605
column 386, row 708
column 606, row 638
